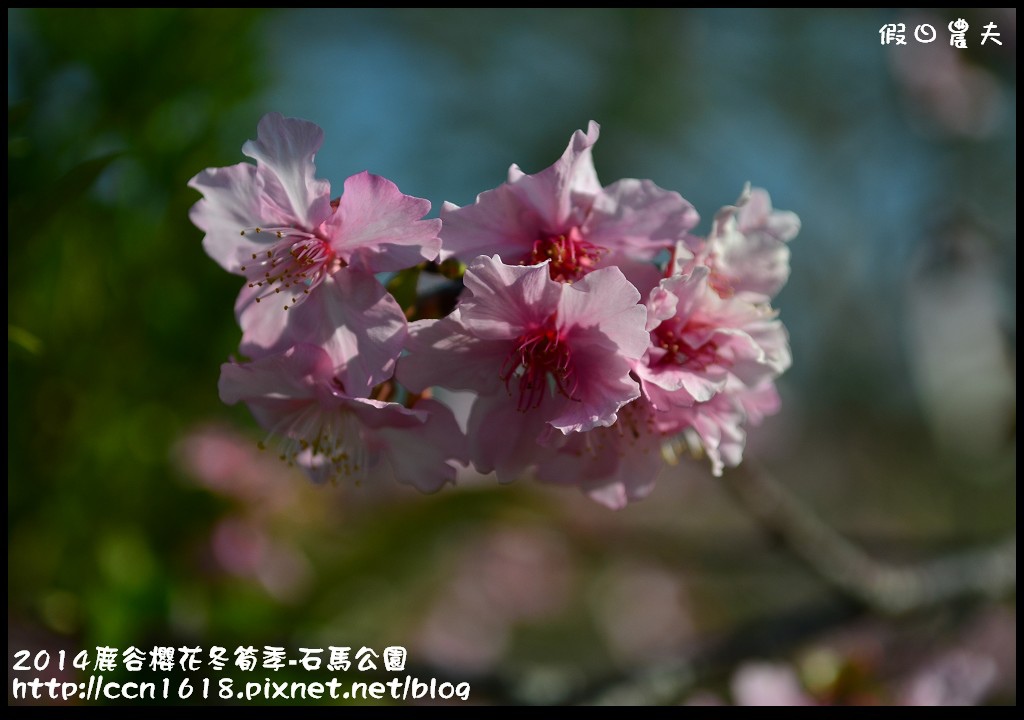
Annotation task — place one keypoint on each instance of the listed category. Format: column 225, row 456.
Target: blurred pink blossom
column 759, row 683
column 505, row 577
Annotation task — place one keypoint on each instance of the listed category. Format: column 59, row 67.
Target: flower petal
column 351, row 316
column 496, row 224
column 604, row 386
column 506, row 299
column 290, row 375
column 614, row 465
column 639, row 219
column 231, row 203
column 501, row 438
column 444, row 353
column 605, row 298
column 423, row 457
column 283, row 150
column 748, row 246
column 376, row 228
column 561, row 194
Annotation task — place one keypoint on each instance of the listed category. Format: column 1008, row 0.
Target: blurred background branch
column 866, row 585
column 885, row 588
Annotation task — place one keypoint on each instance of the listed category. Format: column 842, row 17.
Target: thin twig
column 892, row 590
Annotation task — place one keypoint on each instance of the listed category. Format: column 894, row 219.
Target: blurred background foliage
column 140, row 512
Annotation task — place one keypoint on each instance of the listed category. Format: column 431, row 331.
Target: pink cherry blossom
column 702, row 344
column 711, row 366
column 275, row 223
column 563, row 215
column 746, row 250
column 555, row 355
column 300, row 399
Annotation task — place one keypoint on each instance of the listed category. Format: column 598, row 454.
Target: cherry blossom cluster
column 597, row 336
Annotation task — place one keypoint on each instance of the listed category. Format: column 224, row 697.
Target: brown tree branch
column 892, row 590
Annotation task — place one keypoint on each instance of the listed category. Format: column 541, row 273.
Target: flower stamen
column 571, row 256
column 675, row 338
column 326, row 444
column 296, row 261
column 541, row 361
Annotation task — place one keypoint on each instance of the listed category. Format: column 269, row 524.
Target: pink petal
column 423, row 457
column 506, row 299
column 760, row 402
column 757, row 214
column 377, row 229
column 754, row 266
column 263, row 322
column 496, row 224
column 378, row 415
column 351, row 316
column 639, row 219
column 760, row 352
column 642, row 274
column 444, row 353
column 719, row 424
column 661, row 306
column 605, row 299
column 561, row 194
column 502, row 439
column 284, row 151
column 611, row 465
column 748, row 246
column 687, row 386
column 604, row 387
column 230, row 204
column 690, row 290
column 276, row 387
